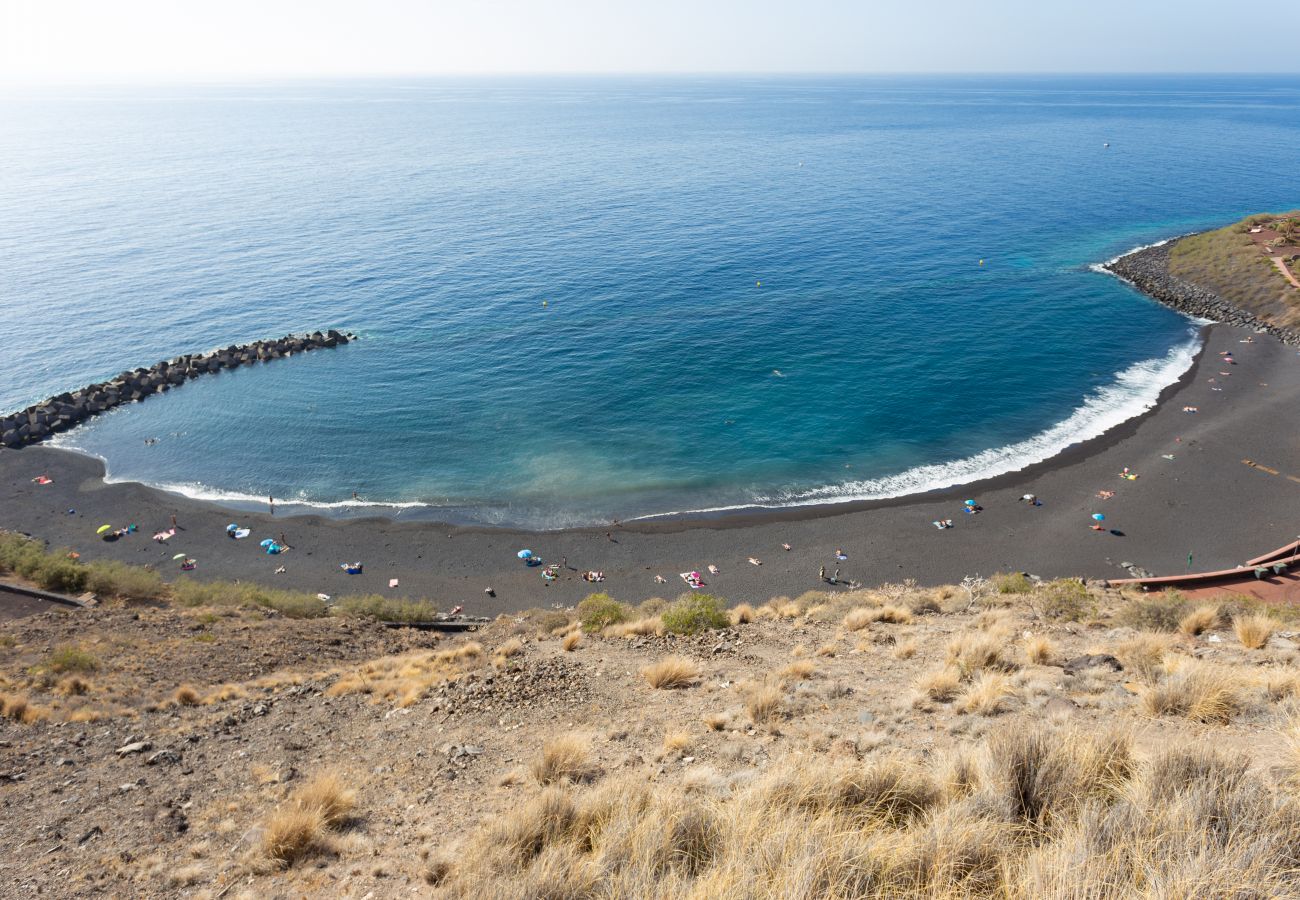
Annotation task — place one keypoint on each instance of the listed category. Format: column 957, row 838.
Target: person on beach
column 609, row 536
column 270, row 501
column 753, row 561
column 785, row 547
column 821, row 573
column 282, row 542
column 174, row 525
column 564, row 563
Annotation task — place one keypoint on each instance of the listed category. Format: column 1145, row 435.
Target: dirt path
column 1286, row 273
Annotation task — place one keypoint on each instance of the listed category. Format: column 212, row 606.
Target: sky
column 82, row 41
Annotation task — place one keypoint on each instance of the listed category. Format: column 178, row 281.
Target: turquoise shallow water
column 877, row 357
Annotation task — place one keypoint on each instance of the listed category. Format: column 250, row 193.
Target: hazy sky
column 89, row 40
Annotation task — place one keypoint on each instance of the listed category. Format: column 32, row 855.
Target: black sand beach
column 1205, row 501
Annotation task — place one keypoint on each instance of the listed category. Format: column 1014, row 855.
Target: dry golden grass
column 186, row 695
column 291, row 832
column 1039, row 650
column 18, row 708
column 764, row 702
column 857, row 619
column 716, row 721
column 564, row 758
column 636, row 628
column 676, row 741
column 1198, row 691
column 1253, row 631
column 974, row 651
column 407, row 678
column 1143, row 654
column 300, row 825
column 778, row 608
column 827, row 650
column 73, row 686
column 329, row 794
column 512, row 647
column 671, row 672
column 987, row 695
column 941, row 684
column 1199, row 620
column 905, row 650
column 572, row 641
column 894, row 615
column 799, row 670
column 1032, row 814
column 1281, row 684
column 742, row 614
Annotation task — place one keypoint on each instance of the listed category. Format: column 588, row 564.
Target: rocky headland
column 1148, row 270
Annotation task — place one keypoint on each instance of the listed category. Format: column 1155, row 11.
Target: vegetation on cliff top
column 1229, row 262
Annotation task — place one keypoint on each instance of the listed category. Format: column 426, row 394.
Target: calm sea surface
column 590, row 298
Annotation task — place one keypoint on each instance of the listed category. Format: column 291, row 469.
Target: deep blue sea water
column 557, row 282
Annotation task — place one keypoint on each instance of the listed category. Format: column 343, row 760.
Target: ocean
column 591, row 298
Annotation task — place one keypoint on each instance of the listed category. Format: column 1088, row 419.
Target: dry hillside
column 999, row 739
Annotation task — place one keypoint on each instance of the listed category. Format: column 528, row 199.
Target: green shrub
column 71, row 659
column 294, row 604
column 15, row 549
column 1157, row 612
column 385, row 609
column 1012, row 583
column 694, row 613
column 58, row 573
column 1065, row 599
column 599, row 611
column 111, row 578
column 209, row 593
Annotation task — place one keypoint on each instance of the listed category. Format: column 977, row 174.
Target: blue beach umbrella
column 970, row 502
column 1099, row 517
column 232, row 527
column 525, row 554
column 268, row 542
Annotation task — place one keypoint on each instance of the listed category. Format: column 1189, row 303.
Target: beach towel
column 165, row 535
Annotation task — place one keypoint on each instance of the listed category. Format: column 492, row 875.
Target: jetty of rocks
column 1147, row 269
column 39, row 421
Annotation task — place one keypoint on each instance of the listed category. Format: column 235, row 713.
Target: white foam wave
column 1133, row 392
column 199, row 491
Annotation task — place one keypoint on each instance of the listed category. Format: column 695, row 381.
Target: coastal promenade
column 1193, row 495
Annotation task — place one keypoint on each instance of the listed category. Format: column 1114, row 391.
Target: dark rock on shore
column 1148, row 270
column 67, row 410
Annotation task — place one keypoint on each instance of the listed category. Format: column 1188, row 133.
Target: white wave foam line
column 1133, row 392
column 215, row 495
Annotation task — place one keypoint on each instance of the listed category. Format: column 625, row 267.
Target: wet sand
column 1205, row 501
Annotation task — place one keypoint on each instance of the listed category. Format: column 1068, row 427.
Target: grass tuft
column 671, row 672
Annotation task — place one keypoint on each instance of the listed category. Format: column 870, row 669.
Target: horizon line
column 218, row 78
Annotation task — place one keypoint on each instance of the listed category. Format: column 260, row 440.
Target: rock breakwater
column 67, row 410
column 1147, row 269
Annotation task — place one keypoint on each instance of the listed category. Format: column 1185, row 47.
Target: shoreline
column 1203, row 501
